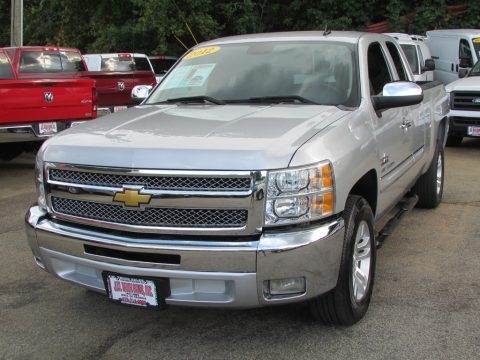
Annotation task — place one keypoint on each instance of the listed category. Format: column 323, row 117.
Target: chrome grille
column 466, row 101
column 152, row 182
column 157, row 217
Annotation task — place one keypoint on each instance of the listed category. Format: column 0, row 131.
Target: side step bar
column 404, row 206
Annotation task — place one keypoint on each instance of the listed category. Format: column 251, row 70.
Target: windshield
column 476, row 46
column 322, row 73
column 411, row 53
column 475, row 70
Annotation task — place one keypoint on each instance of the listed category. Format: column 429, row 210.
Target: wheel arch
column 367, row 187
column 443, row 131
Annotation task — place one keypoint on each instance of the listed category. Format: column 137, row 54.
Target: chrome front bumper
column 209, row 273
column 29, row 132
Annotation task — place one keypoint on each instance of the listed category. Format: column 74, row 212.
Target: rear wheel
column 429, row 186
column 348, row 302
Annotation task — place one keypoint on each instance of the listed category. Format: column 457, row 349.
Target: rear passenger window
column 378, row 70
column 5, row 69
column 50, row 62
column 141, row 64
column 72, row 61
column 397, row 60
column 40, row 61
column 118, row 63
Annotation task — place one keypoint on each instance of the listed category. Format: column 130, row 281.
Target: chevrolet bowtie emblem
column 132, row 198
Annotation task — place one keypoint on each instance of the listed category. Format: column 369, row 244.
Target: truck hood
column 201, row 137
column 465, row 84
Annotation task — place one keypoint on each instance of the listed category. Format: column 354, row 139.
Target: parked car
column 418, row 55
column 464, row 106
column 259, row 172
column 452, row 50
column 116, row 74
column 161, row 64
column 41, row 96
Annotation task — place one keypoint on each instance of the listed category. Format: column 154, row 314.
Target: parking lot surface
column 426, row 300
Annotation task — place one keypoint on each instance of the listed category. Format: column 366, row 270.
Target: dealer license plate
column 474, row 130
column 132, row 291
column 119, row 108
column 47, row 128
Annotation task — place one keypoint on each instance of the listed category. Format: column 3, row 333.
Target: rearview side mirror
column 140, row 93
column 429, row 65
column 462, row 73
column 398, row 94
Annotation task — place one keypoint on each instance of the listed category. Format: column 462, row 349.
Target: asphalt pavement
column 426, row 300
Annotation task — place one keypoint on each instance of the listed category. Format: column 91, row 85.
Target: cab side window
column 397, row 60
column 420, row 55
column 5, row 69
column 378, row 73
column 464, row 52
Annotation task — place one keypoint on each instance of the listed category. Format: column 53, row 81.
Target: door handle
column 406, row 124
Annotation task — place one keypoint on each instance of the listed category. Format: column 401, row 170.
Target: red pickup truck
column 41, row 95
column 116, row 74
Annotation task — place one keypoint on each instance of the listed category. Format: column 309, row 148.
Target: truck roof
column 468, row 32
column 117, row 55
column 40, row 48
column 407, row 38
column 342, row 36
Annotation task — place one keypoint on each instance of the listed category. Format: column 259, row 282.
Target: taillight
column 94, row 102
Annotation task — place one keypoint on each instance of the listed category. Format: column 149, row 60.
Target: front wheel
column 454, row 140
column 348, row 302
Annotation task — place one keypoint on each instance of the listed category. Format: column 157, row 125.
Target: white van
column 452, row 50
column 418, row 55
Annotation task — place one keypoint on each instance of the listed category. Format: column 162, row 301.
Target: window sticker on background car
column 202, row 52
column 187, row 76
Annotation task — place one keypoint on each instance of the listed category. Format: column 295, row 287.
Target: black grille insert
column 133, row 256
column 157, row 217
column 465, row 100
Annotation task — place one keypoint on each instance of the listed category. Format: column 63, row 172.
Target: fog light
column 285, row 286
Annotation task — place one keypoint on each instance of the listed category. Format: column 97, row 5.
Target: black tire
column 454, row 140
column 10, row 151
column 341, row 306
column 429, row 186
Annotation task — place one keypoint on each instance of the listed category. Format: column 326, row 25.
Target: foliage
column 160, row 26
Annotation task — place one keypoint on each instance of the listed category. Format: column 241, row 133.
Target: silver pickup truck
column 262, row 170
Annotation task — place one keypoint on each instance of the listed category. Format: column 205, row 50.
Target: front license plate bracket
column 474, row 130
column 138, row 291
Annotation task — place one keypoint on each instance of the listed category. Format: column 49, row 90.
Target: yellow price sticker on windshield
column 476, row 41
column 202, row 52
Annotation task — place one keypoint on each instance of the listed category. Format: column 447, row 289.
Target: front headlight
column 299, row 195
column 39, row 181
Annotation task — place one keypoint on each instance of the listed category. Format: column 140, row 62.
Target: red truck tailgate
column 114, row 88
column 43, row 100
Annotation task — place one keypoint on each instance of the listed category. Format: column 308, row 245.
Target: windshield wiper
column 195, row 99
column 282, row 99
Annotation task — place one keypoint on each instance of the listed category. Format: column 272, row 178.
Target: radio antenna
column 186, row 24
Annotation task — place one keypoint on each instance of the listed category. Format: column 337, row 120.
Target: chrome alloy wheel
column 362, row 260
column 439, row 173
